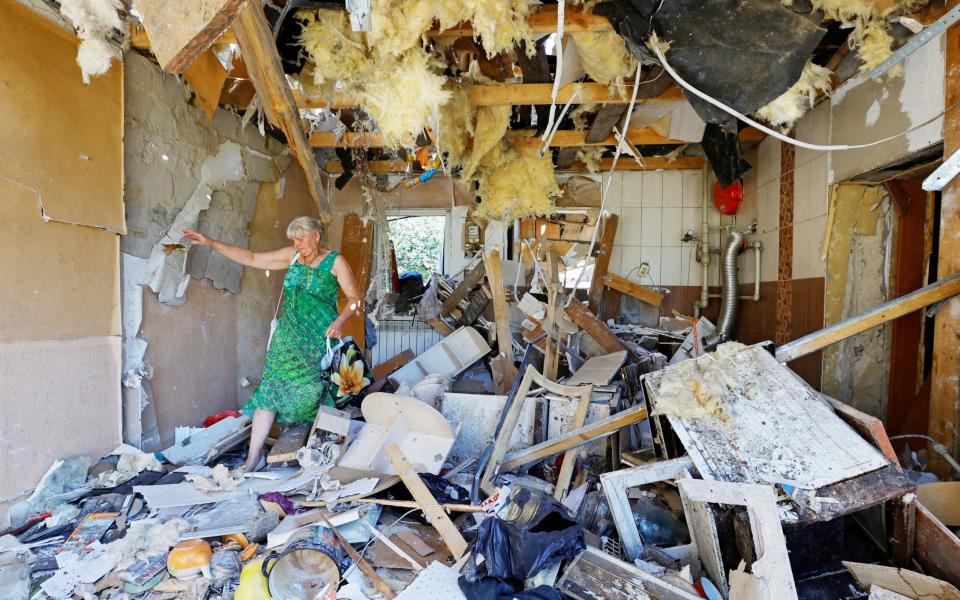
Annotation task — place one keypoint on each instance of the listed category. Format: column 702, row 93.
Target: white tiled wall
column 655, row 208
column 811, row 193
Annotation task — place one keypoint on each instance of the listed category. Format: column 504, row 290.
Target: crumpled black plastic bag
column 519, row 550
column 491, row 588
column 723, row 151
column 744, row 54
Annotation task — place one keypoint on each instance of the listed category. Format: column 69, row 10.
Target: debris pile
column 653, row 471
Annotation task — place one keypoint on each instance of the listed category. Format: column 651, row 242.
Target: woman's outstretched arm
column 277, row 259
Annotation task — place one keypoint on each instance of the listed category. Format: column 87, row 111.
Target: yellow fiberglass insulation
column 403, row 97
column 398, row 25
column 456, row 124
column 591, row 158
column 399, row 91
column 872, row 44
column 491, row 124
column 338, row 52
column 515, row 183
column 580, row 114
column 785, row 110
column 605, row 57
column 499, row 24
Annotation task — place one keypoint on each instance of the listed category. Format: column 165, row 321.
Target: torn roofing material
column 744, row 54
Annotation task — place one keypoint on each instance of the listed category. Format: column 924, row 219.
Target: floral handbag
column 345, row 372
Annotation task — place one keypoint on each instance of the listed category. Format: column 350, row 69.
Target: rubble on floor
column 621, row 461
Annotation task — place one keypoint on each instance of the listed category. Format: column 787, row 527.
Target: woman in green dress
column 291, row 386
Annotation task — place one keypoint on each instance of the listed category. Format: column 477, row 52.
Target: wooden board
column 292, row 439
column 640, row 292
column 356, row 246
column 260, row 55
column 392, row 364
column 603, row 250
column 944, row 391
column 653, row 163
column 936, row 548
column 564, row 138
column 778, row 428
column 492, row 267
column 180, row 31
column 594, row 327
column 570, row 457
column 434, row 514
column 578, row 437
column 605, row 120
column 943, row 500
column 594, row 574
column 206, row 76
column 908, row 583
column 471, row 280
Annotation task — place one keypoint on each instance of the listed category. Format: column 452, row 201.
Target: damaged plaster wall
column 61, row 198
column 183, row 171
column 858, row 278
column 864, row 111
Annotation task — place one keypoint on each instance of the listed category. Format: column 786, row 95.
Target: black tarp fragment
column 744, row 54
column 723, row 151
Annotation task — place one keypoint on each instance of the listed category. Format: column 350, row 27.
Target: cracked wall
column 858, row 278
column 187, row 312
column 61, row 198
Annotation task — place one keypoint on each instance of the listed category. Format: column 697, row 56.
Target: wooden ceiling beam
column 519, row 94
column 182, row 34
column 564, row 138
column 653, row 163
column 263, row 63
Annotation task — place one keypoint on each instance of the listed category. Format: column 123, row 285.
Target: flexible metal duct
column 728, row 272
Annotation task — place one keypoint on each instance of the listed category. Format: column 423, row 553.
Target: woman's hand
column 335, row 330
column 198, row 238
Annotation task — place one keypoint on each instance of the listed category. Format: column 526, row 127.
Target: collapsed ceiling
column 459, row 79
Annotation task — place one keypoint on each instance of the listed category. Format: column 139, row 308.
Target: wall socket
column 644, row 269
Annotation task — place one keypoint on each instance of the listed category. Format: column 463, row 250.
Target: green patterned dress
column 292, row 384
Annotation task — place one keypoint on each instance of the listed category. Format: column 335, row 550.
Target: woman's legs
column 262, row 421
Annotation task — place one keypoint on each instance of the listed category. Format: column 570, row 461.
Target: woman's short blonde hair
column 304, row 225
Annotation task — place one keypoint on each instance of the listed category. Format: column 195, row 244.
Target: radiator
column 397, row 334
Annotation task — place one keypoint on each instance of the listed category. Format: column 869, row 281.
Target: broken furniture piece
column 450, row 357
column 513, row 408
column 771, row 565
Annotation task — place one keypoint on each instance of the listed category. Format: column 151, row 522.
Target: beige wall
column 60, row 149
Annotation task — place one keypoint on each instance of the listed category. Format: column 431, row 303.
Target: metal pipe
column 704, row 245
column 728, row 309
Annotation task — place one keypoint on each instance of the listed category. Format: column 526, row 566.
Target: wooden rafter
column 263, row 63
column 519, row 94
column 180, row 32
column 654, row 163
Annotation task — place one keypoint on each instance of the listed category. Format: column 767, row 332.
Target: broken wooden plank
column 514, row 408
column 772, row 563
column 292, row 439
column 605, row 120
column 471, row 280
column 566, row 156
column 908, row 583
column 603, row 250
column 594, row 327
column 867, row 426
column 206, row 77
column 564, row 138
column 904, row 512
column 570, row 457
column 578, row 437
column 392, row 364
column 356, row 247
column 260, row 55
column 925, row 296
column 936, row 548
column 651, row 163
column 595, row 574
column 435, row 515
column 438, row 324
column 492, row 268
column 942, row 498
column 180, row 31
column 378, row 582
column 615, row 485
column 640, row 292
